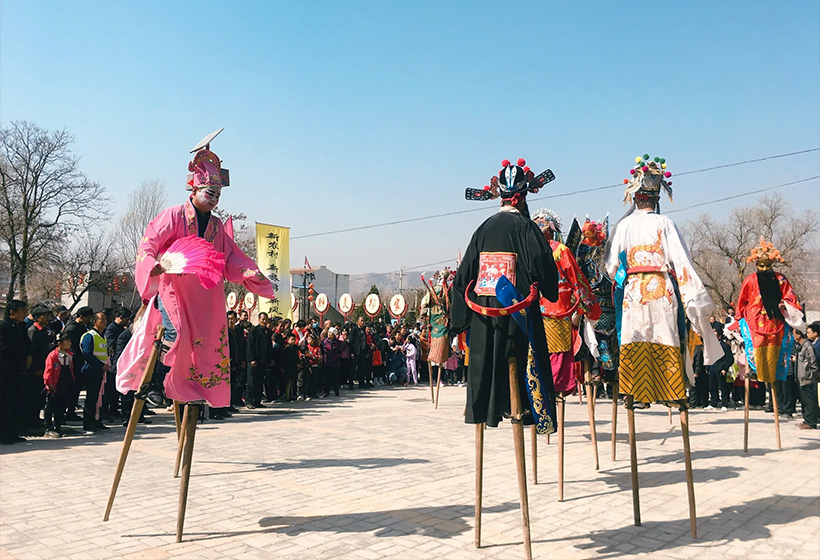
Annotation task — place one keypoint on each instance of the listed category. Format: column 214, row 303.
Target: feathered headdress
column 648, row 176
column 765, row 254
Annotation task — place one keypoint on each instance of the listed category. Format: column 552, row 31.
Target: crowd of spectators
column 50, row 358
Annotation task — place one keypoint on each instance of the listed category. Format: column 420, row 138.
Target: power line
column 724, row 199
column 551, row 196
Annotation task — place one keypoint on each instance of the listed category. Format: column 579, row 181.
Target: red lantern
column 124, row 279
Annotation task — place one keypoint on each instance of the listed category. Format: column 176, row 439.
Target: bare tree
column 719, row 249
column 88, row 264
column 143, row 206
column 43, row 195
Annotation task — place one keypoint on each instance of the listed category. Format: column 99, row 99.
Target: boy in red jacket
column 59, row 380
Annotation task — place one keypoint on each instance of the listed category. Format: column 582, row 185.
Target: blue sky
column 341, row 114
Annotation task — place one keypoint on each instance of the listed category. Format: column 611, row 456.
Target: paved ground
column 380, row 474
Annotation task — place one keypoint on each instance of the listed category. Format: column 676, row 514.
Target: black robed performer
column 510, row 244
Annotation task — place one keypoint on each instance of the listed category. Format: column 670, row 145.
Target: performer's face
column 206, row 199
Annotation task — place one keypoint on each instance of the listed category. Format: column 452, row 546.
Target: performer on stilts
column 189, row 306
column 436, row 303
column 575, row 299
column 506, row 250
column 768, row 310
column 657, row 288
column 600, row 337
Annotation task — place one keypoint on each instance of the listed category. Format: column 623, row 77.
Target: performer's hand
column 782, row 306
column 253, row 363
column 51, row 389
column 157, row 270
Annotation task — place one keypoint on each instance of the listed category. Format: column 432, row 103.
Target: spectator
column 58, row 378
column 409, row 350
column 290, row 365
column 807, row 376
column 95, row 366
column 259, row 349
column 15, row 359
column 330, row 349
column 32, row 397
column 61, row 315
column 718, row 387
column 75, row 330
column 111, row 397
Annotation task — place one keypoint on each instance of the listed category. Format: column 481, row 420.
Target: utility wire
column 557, row 195
column 724, row 199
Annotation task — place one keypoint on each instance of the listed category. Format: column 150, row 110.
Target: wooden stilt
column 191, row 417
column 559, row 410
column 438, row 386
column 690, row 483
column 614, row 417
column 136, row 411
column 746, row 415
column 633, row 460
column 548, row 439
column 180, row 438
column 669, row 412
column 479, row 479
column 518, row 438
column 776, row 415
column 534, row 451
column 432, row 392
column 177, row 418
column 591, row 410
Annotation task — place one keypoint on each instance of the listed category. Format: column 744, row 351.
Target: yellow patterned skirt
column 652, row 372
column 559, row 334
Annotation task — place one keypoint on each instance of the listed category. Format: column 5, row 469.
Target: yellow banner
column 273, row 258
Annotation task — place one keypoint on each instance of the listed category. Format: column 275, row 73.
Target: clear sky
column 341, row 114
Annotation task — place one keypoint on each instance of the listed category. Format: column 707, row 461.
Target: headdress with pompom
column 593, row 234
column 765, row 252
column 647, row 178
column 511, row 181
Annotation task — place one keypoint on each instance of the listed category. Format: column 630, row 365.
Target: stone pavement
column 380, row 474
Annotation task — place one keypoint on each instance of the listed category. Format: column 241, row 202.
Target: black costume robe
column 493, row 339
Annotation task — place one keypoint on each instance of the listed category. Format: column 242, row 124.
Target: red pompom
column 505, row 163
column 526, row 169
column 486, row 187
column 626, row 181
column 521, row 162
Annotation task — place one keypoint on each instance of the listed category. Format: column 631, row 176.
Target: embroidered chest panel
column 491, row 267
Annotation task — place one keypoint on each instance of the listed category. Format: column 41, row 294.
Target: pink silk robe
column 199, row 358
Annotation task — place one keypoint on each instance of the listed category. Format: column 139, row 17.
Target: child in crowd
column 409, row 350
column 59, row 381
column 290, row 366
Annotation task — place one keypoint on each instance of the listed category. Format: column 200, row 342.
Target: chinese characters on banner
column 273, row 258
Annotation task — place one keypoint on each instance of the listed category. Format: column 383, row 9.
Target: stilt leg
column 534, row 445
column 180, row 438
column 177, row 418
column 548, row 439
column 776, row 415
column 591, row 410
column 136, row 410
column 746, row 415
column 690, row 483
column 614, row 417
column 479, row 479
column 669, row 411
column 432, row 392
column 559, row 410
column 191, row 417
column 438, row 386
column 518, row 437
column 633, row 460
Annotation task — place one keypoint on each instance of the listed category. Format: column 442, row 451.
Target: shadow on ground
column 362, row 464
column 644, row 539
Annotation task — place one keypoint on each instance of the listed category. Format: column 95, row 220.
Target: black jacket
column 15, row 347
column 41, row 345
column 111, row 334
column 259, row 346
column 75, row 332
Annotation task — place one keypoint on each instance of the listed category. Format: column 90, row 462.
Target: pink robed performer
column 199, row 358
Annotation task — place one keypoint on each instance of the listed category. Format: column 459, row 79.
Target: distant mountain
column 387, row 282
